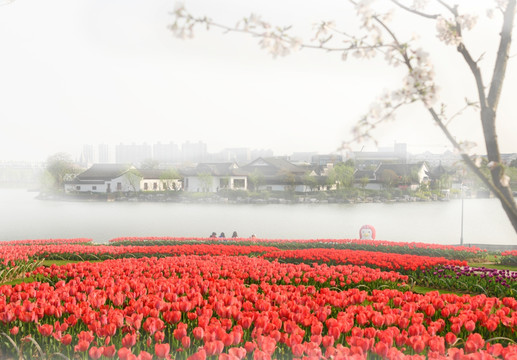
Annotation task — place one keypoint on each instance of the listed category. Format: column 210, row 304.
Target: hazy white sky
column 76, row 72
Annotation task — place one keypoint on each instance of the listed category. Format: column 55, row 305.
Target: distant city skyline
column 79, row 72
column 107, row 152
column 195, row 151
column 90, row 153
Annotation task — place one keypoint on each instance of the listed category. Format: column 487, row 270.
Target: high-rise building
column 238, row 155
column 133, row 154
column 87, row 155
column 104, row 154
column 166, row 153
column 194, row 152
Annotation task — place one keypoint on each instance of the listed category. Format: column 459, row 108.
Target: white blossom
column 296, row 43
column 322, row 30
column 365, row 12
column 277, row 44
column 447, row 32
column 466, row 21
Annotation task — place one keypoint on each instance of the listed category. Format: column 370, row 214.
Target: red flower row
column 386, row 261
column 201, row 306
column 376, row 243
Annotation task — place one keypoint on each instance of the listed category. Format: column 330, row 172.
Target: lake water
column 24, row 217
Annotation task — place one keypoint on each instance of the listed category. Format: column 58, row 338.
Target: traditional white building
column 212, row 177
column 106, row 178
column 399, row 175
column 158, row 180
column 277, row 174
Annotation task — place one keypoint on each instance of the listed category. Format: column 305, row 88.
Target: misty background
column 92, row 72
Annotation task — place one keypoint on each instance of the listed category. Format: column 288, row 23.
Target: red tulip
column 470, row 325
column 200, row 355
column 144, row 355
column 198, row 333
column 450, row 338
column 66, row 339
column 14, row 330
column 161, row 350
column 129, row 340
column 185, row 342
column 109, row 351
column 81, row 346
column 95, row 352
column 124, row 353
column 45, row 330
column 474, row 343
column 238, row 352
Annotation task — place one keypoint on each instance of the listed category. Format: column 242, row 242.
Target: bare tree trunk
column 488, row 115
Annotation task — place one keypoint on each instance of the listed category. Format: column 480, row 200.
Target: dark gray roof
column 273, row 167
column 438, row 171
column 400, row 169
column 102, row 172
column 152, row 173
column 216, row 169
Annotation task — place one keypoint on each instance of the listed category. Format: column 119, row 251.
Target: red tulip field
column 185, row 298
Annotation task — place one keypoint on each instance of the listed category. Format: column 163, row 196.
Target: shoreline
column 204, row 198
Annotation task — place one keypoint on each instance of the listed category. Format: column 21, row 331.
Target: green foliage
column 168, row 177
column 389, row 178
column 364, row 181
column 342, row 175
column 206, row 181
column 256, row 179
column 310, row 181
column 58, row 167
column 133, row 177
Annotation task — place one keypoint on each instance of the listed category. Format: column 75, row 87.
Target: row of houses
column 272, row 174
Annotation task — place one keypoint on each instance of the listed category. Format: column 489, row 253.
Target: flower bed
column 47, row 242
column 481, row 280
column 102, row 252
column 509, row 258
column 414, row 248
column 206, row 306
column 390, row 262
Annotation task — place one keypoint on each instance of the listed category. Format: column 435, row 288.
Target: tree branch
column 419, row 13
column 453, row 10
column 476, row 72
column 502, row 56
column 470, row 163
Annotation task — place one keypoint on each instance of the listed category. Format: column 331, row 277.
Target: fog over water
column 24, row 217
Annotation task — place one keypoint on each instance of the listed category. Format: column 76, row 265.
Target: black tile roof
column 103, row 172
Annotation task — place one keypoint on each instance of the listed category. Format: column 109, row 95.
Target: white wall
column 125, row 184
column 194, row 184
column 159, row 183
column 99, row 188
